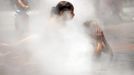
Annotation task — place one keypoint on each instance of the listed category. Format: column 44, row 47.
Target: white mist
column 61, row 48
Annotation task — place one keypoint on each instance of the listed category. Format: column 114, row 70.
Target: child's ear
column 72, row 14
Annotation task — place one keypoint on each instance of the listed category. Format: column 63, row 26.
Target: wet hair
column 61, row 7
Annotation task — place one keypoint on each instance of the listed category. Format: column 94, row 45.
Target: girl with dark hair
column 63, row 9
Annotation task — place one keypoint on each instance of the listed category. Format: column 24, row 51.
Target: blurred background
column 117, row 17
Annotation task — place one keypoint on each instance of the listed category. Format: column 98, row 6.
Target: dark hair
column 63, row 6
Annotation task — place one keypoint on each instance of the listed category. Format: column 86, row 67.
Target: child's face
column 67, row 15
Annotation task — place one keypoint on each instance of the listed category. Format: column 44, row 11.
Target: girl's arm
column 23, row 4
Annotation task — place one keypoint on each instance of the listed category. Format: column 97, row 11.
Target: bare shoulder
column 93, row 27
column 93, row 24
